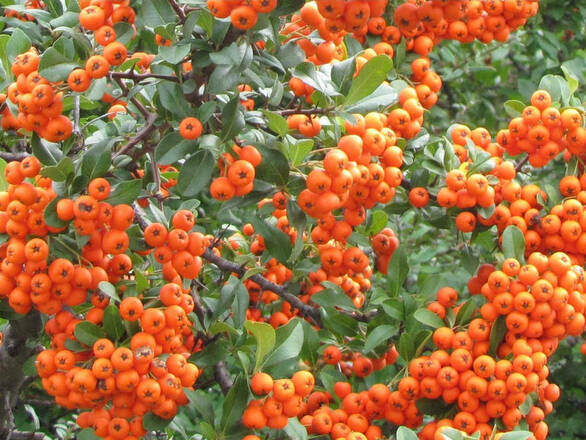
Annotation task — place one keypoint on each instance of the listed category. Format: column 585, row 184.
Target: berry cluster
column 243, row 14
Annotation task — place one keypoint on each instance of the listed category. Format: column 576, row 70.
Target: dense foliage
column 246, row 219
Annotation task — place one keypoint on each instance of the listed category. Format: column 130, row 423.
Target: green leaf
column 87, row 434
column 516, row 435
column 432, row 407
column 196, row 173
column 3, row 182
column 18, row 43
column 96, row 160
column 55, row 66
column 152, row 422
column 513, row 244
column 277, row 242
column 377, row 336
column 404, row 433
column 298, row 149
column 172, row 148
column 285, row 7
column 50, row 214
column 406, row 347
column 47, row 153
column 232, row 119
column 59, row 172
column 372, row 74
column 558, row 87
column 274, row 167
column 383, row 97
column 157, row 13
column 113, row 323
column 378, row 221
column 295, row 430
column 276, row 122
column 337, row 323
column 398, row 271
column 466, row 312
column 452, row 434
column 87, row 333
column 202, row 403
column 234, row 404
column 125, row 192
column 265, row 340
column 514, row 108
column 429, row 318
column 497, row 333
column 109, row 290
column 175, row 53
column 289, row 344
column 332, row 298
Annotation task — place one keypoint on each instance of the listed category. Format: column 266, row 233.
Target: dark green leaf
column 125, row 192
column 432, row 407
column 274, row 167
column 377, row 336
column 172, row 148
column 151, row 422
column 113, row 323
column 398, row 271
column 196, row 173
column 96, row 161
column 234, row 404
column 50, row 215
column 497, row 333
column 59, row 172
column 87, row 333
column 288, row 345
column 232, row 119
column 277, row 242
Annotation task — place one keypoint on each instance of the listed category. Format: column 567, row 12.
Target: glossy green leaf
column 265, row 340
column 372, row 74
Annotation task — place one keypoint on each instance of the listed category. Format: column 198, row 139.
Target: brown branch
column 296, row 303
column 8, row 156
column 199, row 307
column 180, row 12
column 223, row 376
column 304, row 111
column 13, row 354
column 138, row 77
column 522, row 164
column 359, row 316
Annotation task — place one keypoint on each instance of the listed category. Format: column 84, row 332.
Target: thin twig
column 522, row 164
